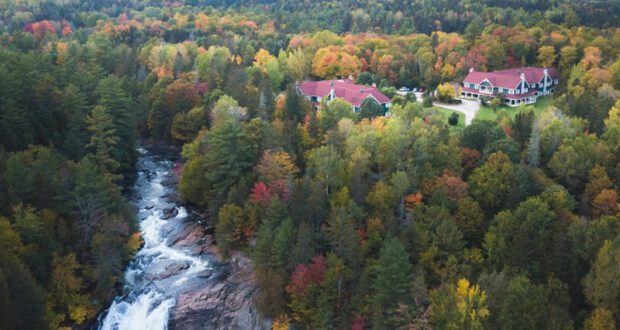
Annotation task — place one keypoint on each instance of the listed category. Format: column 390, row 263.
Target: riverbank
column 226, row 300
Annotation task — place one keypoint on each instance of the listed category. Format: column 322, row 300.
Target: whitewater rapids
column 158, row 271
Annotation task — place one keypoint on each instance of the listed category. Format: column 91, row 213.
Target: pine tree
column 228, row 158
column 103, row 139
column 111, row 95
column 392, row 284
column 283, row 244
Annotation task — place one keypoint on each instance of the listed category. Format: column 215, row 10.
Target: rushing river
column 158, row 271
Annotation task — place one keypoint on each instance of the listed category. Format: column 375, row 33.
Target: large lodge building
column 346, row 89
column 517, row 86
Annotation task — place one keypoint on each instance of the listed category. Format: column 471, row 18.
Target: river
column 158, row 270
column 178, row 278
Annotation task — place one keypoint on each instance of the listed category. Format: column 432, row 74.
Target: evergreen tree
column 370, row 108
column 227, row 160
column 111, row 95
column 523, row 306
column 392, row 284
column 103, row 139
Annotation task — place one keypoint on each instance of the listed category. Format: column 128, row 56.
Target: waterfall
column 149, row 295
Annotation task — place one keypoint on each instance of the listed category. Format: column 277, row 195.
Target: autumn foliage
column 40, row 29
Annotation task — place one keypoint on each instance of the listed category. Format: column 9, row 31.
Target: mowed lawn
column 447, row 113
column 487, row 113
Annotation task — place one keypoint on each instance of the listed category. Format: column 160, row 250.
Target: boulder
column 205, row 273
column 191, row 236
column 165, row 268
column 169, row 213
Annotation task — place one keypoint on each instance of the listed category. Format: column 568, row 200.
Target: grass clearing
column 447, row 113
column 487, row 113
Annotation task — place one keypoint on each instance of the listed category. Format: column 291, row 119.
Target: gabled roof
column 510, row 78
column 344, row 89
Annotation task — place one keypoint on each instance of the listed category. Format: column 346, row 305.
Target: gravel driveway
column 469, row 107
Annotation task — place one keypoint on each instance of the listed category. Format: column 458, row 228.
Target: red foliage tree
column 303, row 276
column 40, row 29
column 261, row 194
column 453, row 186
column 66, row 28
column 281, row 189
column 359, row 323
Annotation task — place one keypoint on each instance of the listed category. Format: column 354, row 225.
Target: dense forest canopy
column 353, row 220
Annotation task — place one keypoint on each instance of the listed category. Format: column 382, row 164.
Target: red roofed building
column 316, row 91
column 518, row 86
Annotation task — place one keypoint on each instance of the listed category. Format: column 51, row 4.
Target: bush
column 427, row 102
column 453, row 120
column 484, row 100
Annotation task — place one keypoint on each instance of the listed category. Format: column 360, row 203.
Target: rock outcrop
column 226, row 299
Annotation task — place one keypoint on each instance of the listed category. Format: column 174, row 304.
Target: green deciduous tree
column 229, row 229
column 490, row 183
column 601, row 287
column 522, row 238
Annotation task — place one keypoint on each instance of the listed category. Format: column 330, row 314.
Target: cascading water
column 158, row 270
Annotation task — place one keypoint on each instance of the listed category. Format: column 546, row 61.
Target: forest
column 353, row 221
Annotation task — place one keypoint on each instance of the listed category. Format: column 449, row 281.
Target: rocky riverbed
column 178, row 279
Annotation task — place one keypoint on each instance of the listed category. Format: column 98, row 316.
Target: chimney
column 471, row 69
column 522, row 76
column 374, row 85
column 546, row 71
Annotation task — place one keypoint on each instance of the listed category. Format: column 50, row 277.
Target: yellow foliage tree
column 262, row 59
column 471, row 305
column 446, row 92
column 591, row 57
column 600, row 319
column 331, row 62
column 282, row 322
column 546, row 56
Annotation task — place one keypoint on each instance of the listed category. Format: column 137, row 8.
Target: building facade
column 346, row 89
column 517, row 86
